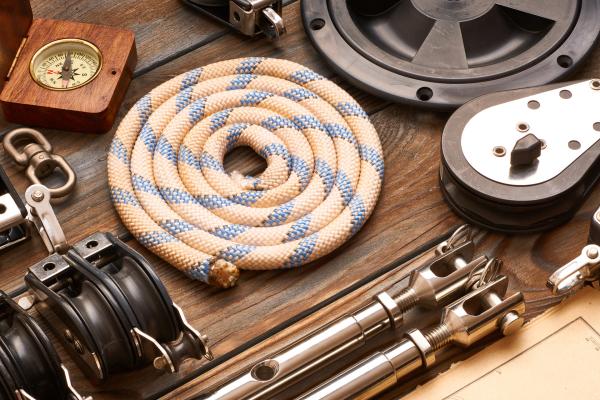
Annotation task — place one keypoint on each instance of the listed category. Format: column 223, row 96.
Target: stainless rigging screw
column 476, row 315
column 447, row 277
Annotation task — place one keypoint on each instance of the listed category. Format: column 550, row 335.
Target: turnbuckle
column 30, row 149
column 451, row 274
column 464, row 322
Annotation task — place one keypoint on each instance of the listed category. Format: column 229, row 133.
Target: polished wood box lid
column 15, row 19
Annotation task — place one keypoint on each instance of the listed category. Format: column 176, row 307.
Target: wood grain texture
column 90, row 108
column 15, row 19
column 164, row 29
column 411, row 210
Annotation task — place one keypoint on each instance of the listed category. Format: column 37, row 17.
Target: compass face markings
column 65, row 64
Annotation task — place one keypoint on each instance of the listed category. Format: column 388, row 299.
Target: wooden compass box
column 89, row 108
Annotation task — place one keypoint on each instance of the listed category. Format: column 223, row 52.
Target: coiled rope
column 167, row 180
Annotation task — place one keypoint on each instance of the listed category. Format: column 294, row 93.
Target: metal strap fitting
column 574, row 274
column 30, row 149
column 42, row 216
column 249, row 16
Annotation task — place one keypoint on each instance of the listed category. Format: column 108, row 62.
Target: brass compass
column 66, row 64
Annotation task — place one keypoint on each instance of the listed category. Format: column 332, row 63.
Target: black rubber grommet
column 441, row 54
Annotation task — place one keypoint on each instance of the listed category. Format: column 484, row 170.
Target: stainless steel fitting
column 447, row 277
column 468, row 320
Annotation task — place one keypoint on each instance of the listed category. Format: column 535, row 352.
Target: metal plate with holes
column 486, row 190
column 490, row 135
column 14, row 228
column 441, row 54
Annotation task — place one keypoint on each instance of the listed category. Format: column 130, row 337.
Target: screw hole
column 574, row 145
column 533, row 104
column 49, row 266
column 564, row 61
column 265, row 370
column 424, row 94
column 113, row 71
column 236, row 16
column 596, row 84
column 2, row 208
column 91, row 244
column 317, row 24
column 565, row 94
column 597, row 126
column 522, row 127
column 499, row 151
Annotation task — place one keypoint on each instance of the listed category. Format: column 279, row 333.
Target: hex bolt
column 592, row 253
column 37, row 196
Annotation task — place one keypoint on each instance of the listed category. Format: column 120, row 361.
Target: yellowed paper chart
column 555, row 357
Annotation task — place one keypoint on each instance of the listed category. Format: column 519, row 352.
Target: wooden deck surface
column 253, row 319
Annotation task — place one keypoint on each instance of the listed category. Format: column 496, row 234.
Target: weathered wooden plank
column 163, row 29
column 410, row 212
column 89, row 208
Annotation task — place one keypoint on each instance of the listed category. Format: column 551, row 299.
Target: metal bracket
column 43, row 217
column 489, row 137
column 250, row 17
column 584, row 268
column 14, row 227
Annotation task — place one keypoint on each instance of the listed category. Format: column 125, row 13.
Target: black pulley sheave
column 111, row 309
column 516, row 208
column 29, row 364
column 443, row 53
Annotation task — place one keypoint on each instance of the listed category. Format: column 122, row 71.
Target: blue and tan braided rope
column 167, row 180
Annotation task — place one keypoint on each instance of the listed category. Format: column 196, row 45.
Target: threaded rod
column 439, row 337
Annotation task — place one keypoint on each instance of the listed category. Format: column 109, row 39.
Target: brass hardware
column 37, row 157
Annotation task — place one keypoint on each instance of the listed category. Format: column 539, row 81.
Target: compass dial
column 66, row 64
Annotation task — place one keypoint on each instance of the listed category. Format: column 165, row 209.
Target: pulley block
column 30, row 369
column 523, row 160
column 441, row 54
column 111, row 310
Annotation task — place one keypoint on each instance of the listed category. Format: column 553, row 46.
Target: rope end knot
column 223, row 274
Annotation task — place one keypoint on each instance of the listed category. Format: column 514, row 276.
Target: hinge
column 16, row 57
